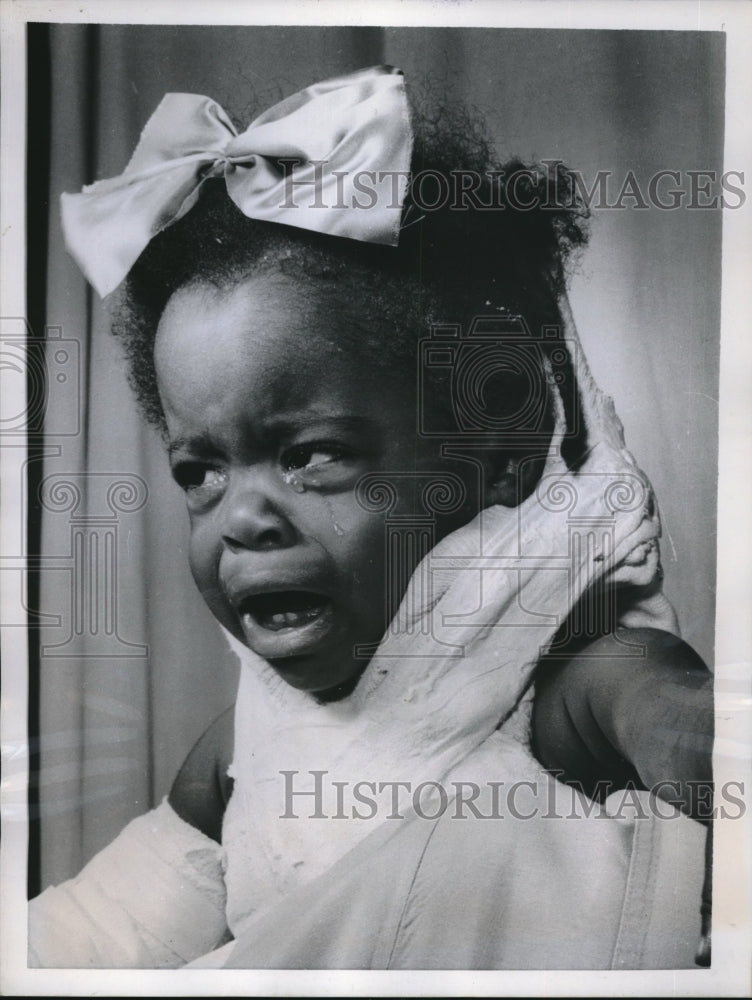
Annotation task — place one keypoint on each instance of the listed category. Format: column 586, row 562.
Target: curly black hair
column 453, row 262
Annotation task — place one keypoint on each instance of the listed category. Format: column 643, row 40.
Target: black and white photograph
column 376, row 551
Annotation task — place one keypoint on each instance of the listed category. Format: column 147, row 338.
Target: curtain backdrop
column 132, row 668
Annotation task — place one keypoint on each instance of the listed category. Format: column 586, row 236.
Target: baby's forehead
column 287, row 321
column 272, row 341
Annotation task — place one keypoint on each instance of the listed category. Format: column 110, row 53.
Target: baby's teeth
column 279, row 619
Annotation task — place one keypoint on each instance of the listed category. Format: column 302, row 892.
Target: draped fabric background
column 131, row 667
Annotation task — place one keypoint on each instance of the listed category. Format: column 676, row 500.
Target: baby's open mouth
column 284, row 609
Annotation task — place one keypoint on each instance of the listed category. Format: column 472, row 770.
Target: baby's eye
column 191, row 476
column 321, row 465
column 309, row 456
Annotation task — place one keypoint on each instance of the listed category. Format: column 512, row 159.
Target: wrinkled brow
column 201, row 443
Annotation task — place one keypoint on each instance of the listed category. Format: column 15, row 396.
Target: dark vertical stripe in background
column 37, row 216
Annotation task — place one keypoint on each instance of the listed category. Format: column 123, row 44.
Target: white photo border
column 732, row 918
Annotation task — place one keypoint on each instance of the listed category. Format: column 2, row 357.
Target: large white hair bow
column 345, row 146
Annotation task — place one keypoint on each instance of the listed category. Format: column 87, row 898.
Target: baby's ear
column 512, row 478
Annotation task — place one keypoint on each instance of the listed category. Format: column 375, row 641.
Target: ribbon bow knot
column 332, row 135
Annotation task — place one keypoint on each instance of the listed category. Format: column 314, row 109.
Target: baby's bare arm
column 202, row 788
column 603, row 715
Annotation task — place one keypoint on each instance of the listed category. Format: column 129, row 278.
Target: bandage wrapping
column 154, row 898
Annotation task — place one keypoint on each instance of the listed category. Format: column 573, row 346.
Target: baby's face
column 271, row 423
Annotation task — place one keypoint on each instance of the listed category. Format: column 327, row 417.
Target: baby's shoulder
column 202, row 788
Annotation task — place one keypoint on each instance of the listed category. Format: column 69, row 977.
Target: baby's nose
column 253, row 518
